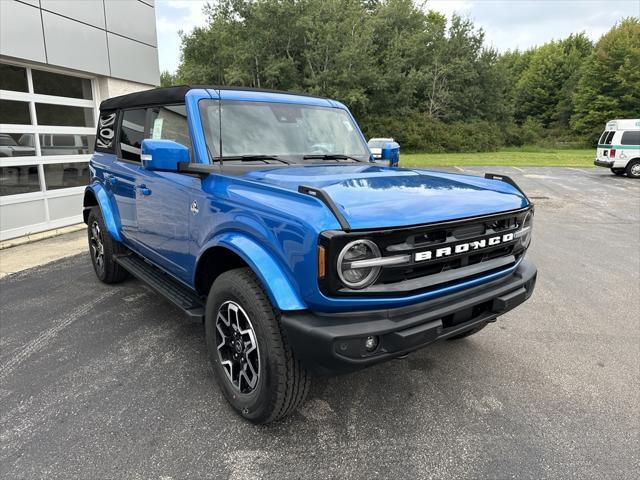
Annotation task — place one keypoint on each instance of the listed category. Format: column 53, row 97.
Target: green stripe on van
column 621, row 147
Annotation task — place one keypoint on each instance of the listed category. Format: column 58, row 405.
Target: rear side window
column 132, row 133
column 106, row 135
column 607, row 137
column 631, row 138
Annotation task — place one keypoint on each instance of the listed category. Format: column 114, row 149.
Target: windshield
column 377, row 143
column 279, row 130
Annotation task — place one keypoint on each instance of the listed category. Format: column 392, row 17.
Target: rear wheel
column 103, row 248
column 249, row 352
column 633, row 169
column 618, row 171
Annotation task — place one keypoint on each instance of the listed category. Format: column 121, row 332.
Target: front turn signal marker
column 321, row 262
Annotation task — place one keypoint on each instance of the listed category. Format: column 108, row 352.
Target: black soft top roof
column 168, row 95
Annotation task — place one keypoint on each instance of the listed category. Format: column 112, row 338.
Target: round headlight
column 352, row 265
column 525, row 231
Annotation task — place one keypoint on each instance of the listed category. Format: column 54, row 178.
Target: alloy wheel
column 237, row 347
column 97, row 245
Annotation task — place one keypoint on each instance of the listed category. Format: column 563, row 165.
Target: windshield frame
column 214, row 143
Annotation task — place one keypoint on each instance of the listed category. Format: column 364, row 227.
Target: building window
column 64, row 115
column 48, row 83
column 14, row 112
column 13, row 78
column 66, row 175
column 38, row 138
column 19, row 179
column 17, row 145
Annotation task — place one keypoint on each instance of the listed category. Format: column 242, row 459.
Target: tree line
column 408, row 72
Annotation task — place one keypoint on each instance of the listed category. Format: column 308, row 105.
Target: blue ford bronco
column 263, row 215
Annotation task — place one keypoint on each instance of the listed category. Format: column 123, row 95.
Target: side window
column 631, row 138
column 609, row 138
column 169, row 122
column 132, row 133
column 105, row 140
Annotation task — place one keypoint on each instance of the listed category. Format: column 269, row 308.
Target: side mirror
column 391, row 153
column 163, row 155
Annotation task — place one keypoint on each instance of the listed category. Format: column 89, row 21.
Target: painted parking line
column 518, row 169
column 459, row 169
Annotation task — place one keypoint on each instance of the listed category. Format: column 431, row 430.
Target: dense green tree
column 544, row 89
column 409, row 72
column 610, row 83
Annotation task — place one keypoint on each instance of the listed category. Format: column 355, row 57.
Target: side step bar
column 162, row 283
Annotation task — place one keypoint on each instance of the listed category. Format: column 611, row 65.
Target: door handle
column 143, row 189
column 111, row 180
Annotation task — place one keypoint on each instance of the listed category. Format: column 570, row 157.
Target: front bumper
column 334, row 343
column 602, row 163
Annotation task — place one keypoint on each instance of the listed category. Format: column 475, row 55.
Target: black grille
column 411, row 240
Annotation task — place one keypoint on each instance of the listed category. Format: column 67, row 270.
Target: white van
column 619, row 147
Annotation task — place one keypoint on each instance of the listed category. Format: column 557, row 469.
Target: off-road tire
column 107, row 270
column 283, row 382
column 633, row 169
column 618, row 171
column 468, row 333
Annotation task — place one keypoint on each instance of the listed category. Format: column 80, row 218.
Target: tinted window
column 64, row 115
column 19, row 179
column 13, row 78
column 106, row 132
column 608, row 138
column 602, row 137
column 132, row 133
column 631, row 138
column 17, row 145
column 14, row 112
column 48, row 83
column 66, row 175
column 170, row 123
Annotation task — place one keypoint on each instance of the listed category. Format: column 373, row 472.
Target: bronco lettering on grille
column 463, row 247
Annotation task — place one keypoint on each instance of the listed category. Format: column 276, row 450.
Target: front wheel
column 253, row 363
column 633, row 169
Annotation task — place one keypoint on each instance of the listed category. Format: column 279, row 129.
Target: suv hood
column 372, row 197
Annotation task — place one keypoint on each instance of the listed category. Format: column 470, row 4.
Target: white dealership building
column 58, row 60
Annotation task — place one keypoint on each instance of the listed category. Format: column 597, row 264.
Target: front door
column 163, row 199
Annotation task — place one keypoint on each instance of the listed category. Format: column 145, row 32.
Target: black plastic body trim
column 506, row 179
column 326, row 199
column 334, row 343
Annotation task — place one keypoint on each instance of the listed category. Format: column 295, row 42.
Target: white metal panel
column 75, row 45
column 87, row 11
column 65, row 206
column 22, row 214
column 21, row 31
column 144, row 69
column 132, row 19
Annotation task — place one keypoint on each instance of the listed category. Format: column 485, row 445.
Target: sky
column 508, row 24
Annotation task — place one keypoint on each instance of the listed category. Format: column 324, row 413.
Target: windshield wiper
column 251, row 158
column 331, row 156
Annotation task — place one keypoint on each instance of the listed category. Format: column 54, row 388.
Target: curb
column 35, row 237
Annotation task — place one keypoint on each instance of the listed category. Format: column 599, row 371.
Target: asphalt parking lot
column 112, row 382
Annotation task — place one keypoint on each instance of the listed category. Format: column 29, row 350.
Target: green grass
column 515, row 157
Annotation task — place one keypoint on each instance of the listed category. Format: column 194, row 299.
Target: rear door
column 604, row 144
column 121, row 178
